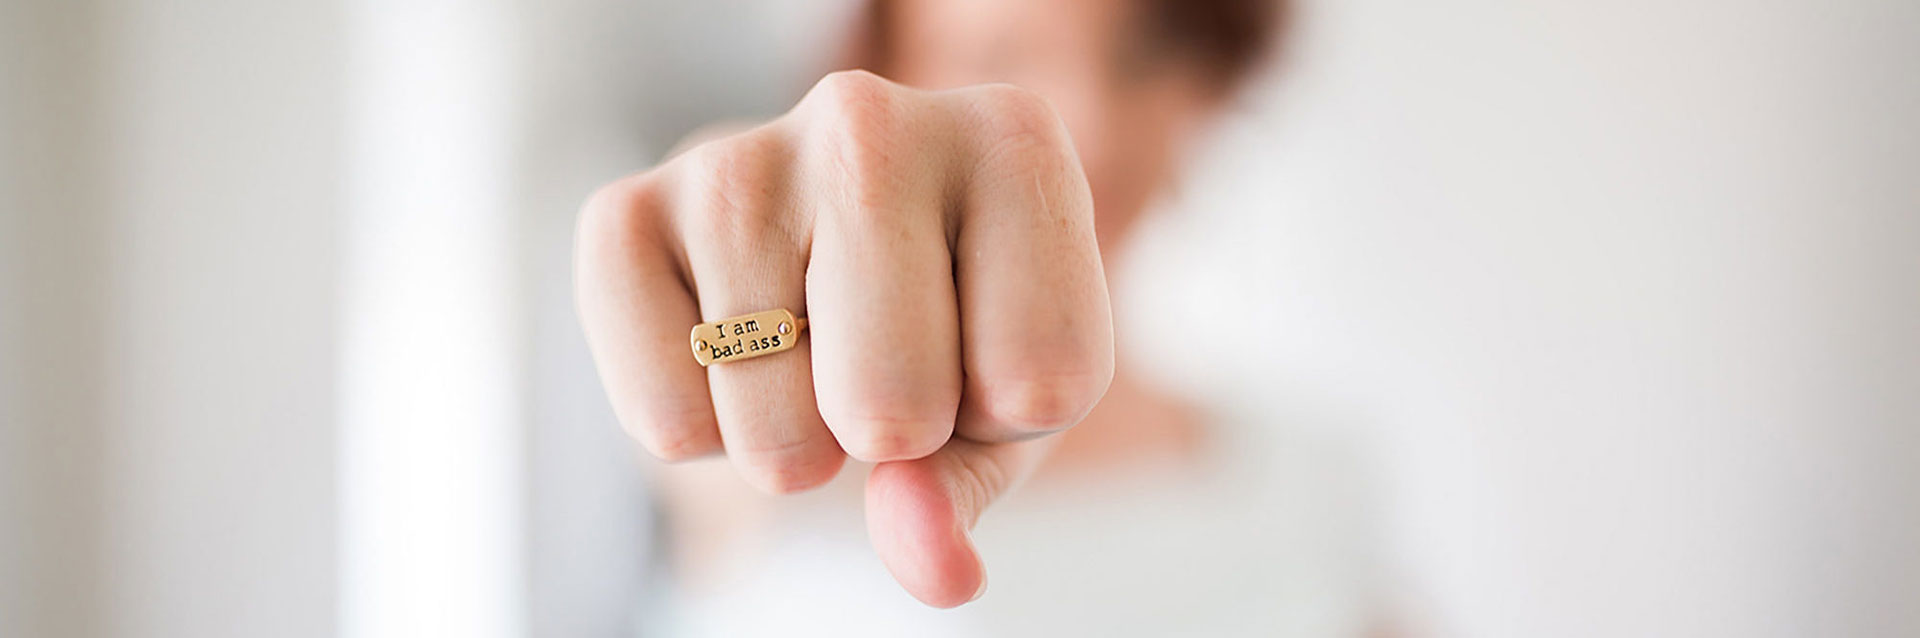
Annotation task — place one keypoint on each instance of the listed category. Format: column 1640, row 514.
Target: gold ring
column 746, row 336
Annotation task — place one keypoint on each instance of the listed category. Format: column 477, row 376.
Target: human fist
column 941, row 245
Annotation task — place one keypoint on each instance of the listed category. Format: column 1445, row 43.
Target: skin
column 939, row 232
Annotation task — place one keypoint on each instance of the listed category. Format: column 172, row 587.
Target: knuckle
column 1042, row 404
column 749, row 161
column 1018, row 117
column 891, row 416
column 788, row 467
column 855, row 105
column 1020, row 139
column 781, row 480
column 877, row 440
column 855, row 94
column 616, row 226
column 678, row 447
column 856, row 124
column 673, row 438
column 736, row 186
column 980, row 479
column 618, row 212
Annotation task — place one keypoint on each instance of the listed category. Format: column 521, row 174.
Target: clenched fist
column 941, row 245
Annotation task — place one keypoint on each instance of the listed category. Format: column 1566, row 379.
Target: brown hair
column 1228, row 39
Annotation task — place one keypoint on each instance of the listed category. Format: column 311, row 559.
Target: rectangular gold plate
column 745, row 337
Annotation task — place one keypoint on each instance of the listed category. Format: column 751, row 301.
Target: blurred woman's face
column 1131, row 113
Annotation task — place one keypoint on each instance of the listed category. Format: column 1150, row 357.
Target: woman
column 950, row 241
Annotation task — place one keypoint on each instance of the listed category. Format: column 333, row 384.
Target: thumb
column 919, row 513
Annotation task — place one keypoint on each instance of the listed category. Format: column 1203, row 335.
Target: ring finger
column 750, row 260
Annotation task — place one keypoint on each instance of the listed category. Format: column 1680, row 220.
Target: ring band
column 746, row 336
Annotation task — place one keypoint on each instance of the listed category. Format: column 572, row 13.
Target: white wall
column 430, row 373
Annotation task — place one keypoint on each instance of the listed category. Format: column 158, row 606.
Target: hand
column 941, row 245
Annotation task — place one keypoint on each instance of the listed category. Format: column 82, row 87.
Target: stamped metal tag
column 746, row 336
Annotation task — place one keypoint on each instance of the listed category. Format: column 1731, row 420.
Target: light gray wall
column 50, row 327
column 166, row 465
column 224, row 125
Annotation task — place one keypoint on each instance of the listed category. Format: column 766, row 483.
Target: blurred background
column 1586, row 319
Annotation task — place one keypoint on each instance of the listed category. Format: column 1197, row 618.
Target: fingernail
column 983, row 587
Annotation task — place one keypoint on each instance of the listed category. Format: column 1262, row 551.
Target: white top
column 1265, row 541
